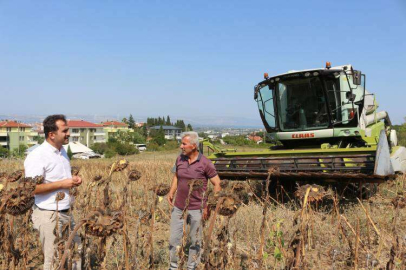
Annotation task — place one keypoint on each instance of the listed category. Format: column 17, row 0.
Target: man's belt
column 60, row 211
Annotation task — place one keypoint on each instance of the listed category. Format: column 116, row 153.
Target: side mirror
column 356, row 77
column 256, row 88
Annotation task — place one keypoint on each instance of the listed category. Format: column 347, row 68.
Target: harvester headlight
column 272, row 81
column 347, row 132
column 356, row 133
column 315, row 73
column 276, row 79
column 307, row 74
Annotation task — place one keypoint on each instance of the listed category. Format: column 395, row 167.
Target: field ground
column 336, row 232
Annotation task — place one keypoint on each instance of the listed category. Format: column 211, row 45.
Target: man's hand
column 71, row 182
column 170, row 198
column 65, row 184
column 77, row 180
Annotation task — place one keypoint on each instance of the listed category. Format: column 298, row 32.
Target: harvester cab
column 310, row 108
column 328, row 127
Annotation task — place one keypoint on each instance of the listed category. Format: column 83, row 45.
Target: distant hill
column 199, row 121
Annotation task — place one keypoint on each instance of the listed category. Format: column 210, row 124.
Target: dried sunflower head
column 75, row 171
column 144, row 216
column 15, row 176
column 224, row 184
column 73, row 191
column 119, row 165
column 399, row 202
column 134, row 175
column 214, row 259
column 97, row 177
column 3, row 175
column 27, row 183
column 39, row 179
column 20, row 199
column 316, row 192
column 238, row 187
column 161, row 189
column 102, row 224
column 60, row 196
column 229, row 203
column 196, row 184
column 229, row 206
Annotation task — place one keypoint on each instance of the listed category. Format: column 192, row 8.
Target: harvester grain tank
column 327, row 126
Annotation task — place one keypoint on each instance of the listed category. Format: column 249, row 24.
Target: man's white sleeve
column 33, row 166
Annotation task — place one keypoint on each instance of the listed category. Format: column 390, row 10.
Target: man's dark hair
column 50, row 123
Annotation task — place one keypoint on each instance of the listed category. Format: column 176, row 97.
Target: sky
column 190, row 59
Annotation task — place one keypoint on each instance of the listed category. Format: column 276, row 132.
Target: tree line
column 153, row 121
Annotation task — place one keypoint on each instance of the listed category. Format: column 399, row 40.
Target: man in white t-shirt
column 51, row 161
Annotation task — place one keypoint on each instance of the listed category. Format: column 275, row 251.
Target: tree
column 203, row 135
column 99, row 148
column 124, row 120
column 189, row 127
column 182, row 125
column 144, row 131
column 401, row 133
column 39, row 139
column 168, row 121
column 158, row 136
column 69, row 152
column 110, row 153
column 131, row 122
column 20, row 151
column 124, row 136
column 138, row 138
column 125, row 149
column 4, row 152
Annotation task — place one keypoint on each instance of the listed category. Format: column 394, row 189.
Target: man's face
column 186, row 147
column 61, row 136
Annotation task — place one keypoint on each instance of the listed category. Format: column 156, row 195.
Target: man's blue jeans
column 194, row 220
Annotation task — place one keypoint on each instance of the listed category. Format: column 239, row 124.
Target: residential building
column 86, row 133
column 39, row 127
column 255, row 138
column 13, row 134
column 213, row 136
column 112, row 128
column 225, row 134
column 171, row 133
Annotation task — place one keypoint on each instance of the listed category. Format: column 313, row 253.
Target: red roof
column 114, row 123
column 81, row 123
column 13, row 124
column 255, row 138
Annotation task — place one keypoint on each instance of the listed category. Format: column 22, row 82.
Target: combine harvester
column 327, row 127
